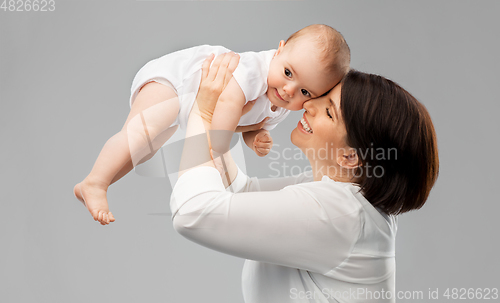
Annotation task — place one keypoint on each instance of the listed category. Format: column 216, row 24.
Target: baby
column 310, row 63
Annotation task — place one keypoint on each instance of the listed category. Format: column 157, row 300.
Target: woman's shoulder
column 348, row 197
column 336, row 198
column 345, row 201
column 376, row 217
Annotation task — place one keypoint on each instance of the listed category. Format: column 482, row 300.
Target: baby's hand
column 262, row 143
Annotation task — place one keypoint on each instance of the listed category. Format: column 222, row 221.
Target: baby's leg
column 146, row 129
column 151, row 120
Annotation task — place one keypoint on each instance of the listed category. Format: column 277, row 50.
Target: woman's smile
column 304, row 125
column 317, row 132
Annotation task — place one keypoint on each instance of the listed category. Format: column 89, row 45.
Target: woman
column 323, row 236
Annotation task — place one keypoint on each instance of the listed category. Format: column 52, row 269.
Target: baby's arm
column 228, row 112
column 260, row 141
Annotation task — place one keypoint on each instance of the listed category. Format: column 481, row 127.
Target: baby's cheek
column 298, row 105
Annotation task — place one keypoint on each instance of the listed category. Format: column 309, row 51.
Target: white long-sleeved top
column 304, row 241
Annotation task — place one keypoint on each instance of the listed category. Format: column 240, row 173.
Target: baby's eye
column 288, row 73
column 328, row 113
column 305, row 93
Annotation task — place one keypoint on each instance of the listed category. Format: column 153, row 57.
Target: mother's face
column 321, row 132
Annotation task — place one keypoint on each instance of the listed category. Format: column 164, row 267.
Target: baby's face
column 297, row 75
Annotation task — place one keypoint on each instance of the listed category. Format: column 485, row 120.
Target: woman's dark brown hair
column 395, row 140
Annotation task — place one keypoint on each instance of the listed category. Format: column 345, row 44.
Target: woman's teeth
column 305, row 125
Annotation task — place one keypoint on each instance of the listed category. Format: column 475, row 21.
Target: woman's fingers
column 222, row 68
column 214, row 79
column 206, row 66
column 233, row 63
column 221, row 79
column 214, row 69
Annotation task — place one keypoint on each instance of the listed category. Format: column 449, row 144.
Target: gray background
column 64, row 83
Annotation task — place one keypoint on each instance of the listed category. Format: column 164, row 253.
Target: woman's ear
column 348, row 159
column 280, row 48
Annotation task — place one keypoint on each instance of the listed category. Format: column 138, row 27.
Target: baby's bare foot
column 78, row 194
column 94, row 199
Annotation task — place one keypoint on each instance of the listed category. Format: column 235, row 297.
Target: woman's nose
column 309, row 107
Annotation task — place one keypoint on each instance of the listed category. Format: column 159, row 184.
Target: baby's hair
column 332, row 47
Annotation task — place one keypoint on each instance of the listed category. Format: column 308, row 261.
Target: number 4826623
column 28, row 6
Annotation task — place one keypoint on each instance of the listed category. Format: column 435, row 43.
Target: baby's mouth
column 279, row 96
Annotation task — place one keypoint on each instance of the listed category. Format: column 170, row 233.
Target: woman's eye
column 328, row 113
column 305, row 93
column 288, row 73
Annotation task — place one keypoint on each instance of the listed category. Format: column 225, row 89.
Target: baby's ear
column 280, row 48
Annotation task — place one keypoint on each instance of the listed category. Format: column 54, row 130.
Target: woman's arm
column 243, row 183
column 196, row 151
column 310, row 226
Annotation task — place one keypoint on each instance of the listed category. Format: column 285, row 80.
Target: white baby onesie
column 182, row 69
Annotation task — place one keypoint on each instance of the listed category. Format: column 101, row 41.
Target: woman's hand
column 213, row 81
column 197, row 149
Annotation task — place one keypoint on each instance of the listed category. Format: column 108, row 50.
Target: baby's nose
column 289, row 90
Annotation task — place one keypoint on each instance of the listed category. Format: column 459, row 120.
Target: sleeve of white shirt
column 289, row 227
column 243, row 183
